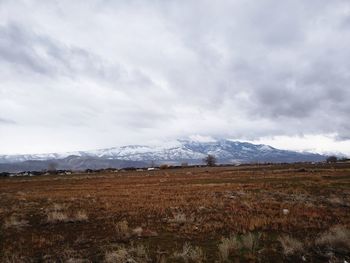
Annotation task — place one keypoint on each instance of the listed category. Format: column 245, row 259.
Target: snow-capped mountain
column 226, row 151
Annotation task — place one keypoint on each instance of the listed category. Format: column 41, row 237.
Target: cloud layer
column 98, row 73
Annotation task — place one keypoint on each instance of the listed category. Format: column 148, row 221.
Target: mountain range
column 192, row 152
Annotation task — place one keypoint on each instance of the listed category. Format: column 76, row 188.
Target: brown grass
column 162, row 210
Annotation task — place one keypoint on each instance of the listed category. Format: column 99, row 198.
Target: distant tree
column 332, row 159
column 184, row 164
column 52, row 167
column 210, row 160
column 164, row 166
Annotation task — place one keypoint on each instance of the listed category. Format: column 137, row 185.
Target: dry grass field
column 277, row 213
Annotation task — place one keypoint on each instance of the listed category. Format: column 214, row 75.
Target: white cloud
column 326, row 144
column 92, row 74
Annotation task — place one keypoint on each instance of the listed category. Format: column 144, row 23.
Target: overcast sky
column 77, row 75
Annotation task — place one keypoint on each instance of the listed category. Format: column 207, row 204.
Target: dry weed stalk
column 59, row 216
column 227, row 246
column 291, row 245
column 337, row 239
column 189, row 253
column 178, row 218
column 122, row 229
column 56, row 216
column 14, row 221
column 122, row 254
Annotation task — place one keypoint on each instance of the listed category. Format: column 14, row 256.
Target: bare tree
column 210, row 160
column 332, row 159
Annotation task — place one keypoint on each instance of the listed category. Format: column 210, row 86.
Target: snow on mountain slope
column 181, row 150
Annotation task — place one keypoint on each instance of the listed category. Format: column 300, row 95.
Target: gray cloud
column 6, row 121
column 130, row 71
column 31, row 53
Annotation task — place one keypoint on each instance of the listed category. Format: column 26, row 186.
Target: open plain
column 252, row 213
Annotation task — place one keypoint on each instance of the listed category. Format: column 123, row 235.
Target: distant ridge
column 192, row 152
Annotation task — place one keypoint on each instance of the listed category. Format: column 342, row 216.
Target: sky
column 88, row 74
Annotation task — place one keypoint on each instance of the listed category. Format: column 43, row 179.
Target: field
column 267, row 213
